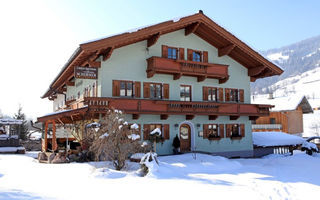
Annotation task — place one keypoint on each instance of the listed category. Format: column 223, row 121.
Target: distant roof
column 10, row 121
column 284, row 103
column 199, row 24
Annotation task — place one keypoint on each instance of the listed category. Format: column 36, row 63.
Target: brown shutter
column 137, row 89
column 166, row 91
column 205, row 93
column 146, row 131
column 166, row 131
column 189, row 52
column 205, row 56
column 205, row 131
column 227, row 94
column 241, row 94
column 228, row 133
column 146, row 90
column 221, row 130
column 242, row 130
column 164, row 51
column 220, row 91
column 115, row 88
column 181, row 53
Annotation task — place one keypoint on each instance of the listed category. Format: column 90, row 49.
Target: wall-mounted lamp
column 176, row 126
column 198, row 126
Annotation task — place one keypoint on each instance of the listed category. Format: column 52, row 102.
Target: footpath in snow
column 182, row 176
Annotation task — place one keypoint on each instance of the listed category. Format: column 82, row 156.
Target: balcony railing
column 267, row 126
column 177, row 68
column 149, row 106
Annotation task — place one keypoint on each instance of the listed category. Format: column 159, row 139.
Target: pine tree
column 23, row 128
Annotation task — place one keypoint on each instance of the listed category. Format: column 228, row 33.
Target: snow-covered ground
column 178, row 177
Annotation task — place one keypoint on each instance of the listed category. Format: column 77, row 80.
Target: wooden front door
column 185, row 138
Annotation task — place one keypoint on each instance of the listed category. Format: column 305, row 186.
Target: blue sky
column 261, row 23
column 37, row 37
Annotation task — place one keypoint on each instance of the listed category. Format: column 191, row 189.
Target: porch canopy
column 62, row 117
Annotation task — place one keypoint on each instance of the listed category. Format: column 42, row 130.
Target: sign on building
column 86, row 72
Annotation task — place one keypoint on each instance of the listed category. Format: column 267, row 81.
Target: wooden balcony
column 164, row 107
column 201, row 70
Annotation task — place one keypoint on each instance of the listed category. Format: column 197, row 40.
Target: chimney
column 200, row 11
column 270, row 96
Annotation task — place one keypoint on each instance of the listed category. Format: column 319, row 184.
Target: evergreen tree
column 23, row 128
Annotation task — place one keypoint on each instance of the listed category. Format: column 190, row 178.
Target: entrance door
column 185, row 138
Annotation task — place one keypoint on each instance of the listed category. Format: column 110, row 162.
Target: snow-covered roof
column 284, row 103
column 10, row 121
column 268, row 139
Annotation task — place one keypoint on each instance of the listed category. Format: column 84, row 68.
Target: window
column 126, row 89
column 234, row 95
column 156, row 90
column 185, row 93
column 272, row 120
column 235, row 132
column 212, row 94
column 94, row 90
column 213, row 131
column 196, row 56
column 172, row 53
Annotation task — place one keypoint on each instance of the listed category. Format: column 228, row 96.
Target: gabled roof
column 285, row 103
column 199, row 24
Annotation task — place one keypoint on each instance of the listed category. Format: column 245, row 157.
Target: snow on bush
column 149, row 163
column 134, row 126
column 156, row 131
column 134, row 136
column 104, row 135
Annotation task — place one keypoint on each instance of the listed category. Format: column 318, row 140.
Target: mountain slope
column 294, row 59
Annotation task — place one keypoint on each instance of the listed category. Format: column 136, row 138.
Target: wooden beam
column 106, row 53
column 45, row 145
column 234, row 117
column 254, row 71
column 201, row 78
column 191, row 28
column 54, row 138
column 69, row 83
column 164, row 117
column 253, row 117
column 153, row 39
column 177, row 76
column 226, row 50
column 189, row 117
column 253, row 79
column 223, row 80
column 150, row 73
column 213, row 117
column 135, row 116
column 96, row 64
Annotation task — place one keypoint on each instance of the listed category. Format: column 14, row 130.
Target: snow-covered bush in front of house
column 156, row 131
column 309, row 147
column 149, row 163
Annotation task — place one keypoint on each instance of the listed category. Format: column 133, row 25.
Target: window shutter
column 242, row 130
column 166, row 91
column 241, row 95
column 228, row 133
column 146, row 90
column 205, row 56
column 205, row 131
column 146, row 131
column 166, row 131
column 164, row 51
column 181, row 53
column 221, row 130
column 189, row 52
column 220, row 91
column 115, row 88
column 205, row 93
column 227, row 94
column 137, row 89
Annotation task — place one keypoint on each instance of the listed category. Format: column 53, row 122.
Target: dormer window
column 196, row 56
column 172, row 53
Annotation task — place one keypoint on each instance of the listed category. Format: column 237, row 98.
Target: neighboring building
column 187, row 76
column 286, row 116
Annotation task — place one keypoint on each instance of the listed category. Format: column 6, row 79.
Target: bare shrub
column 115, row 140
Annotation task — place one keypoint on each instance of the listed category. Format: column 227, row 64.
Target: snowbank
column 266, row 139
column 10, row 149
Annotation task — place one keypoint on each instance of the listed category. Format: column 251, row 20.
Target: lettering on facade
column 86, row 72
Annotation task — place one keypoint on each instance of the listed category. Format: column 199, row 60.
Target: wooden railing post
column 54, row 139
